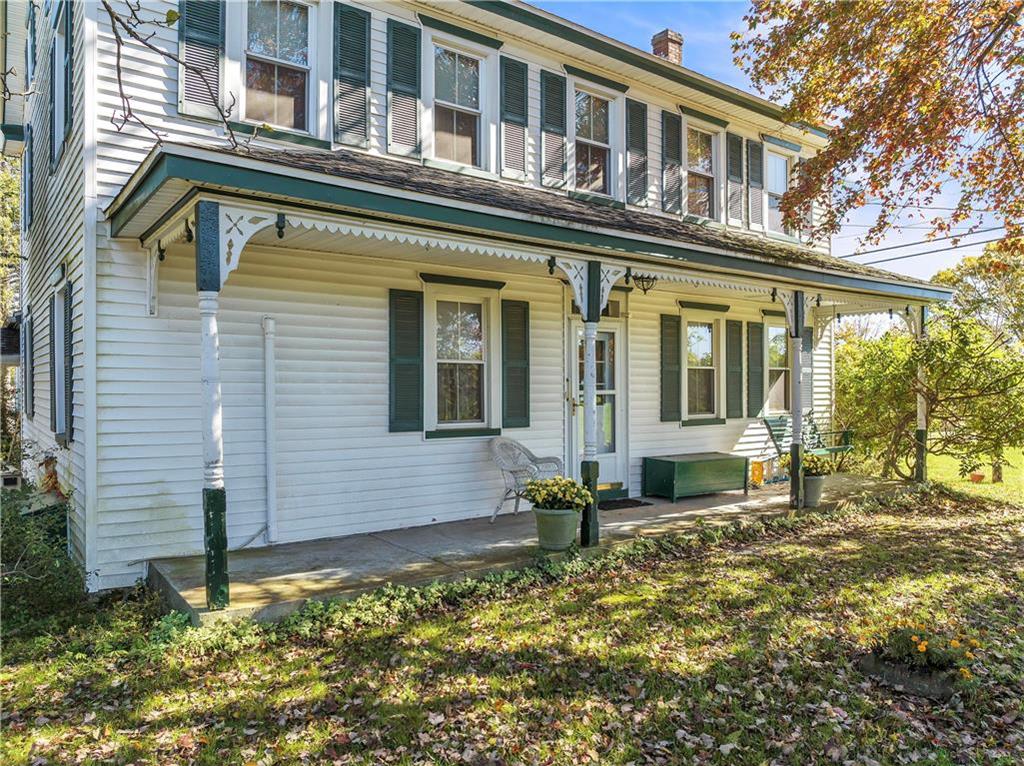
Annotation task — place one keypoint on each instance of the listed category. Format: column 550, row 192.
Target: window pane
column 605, row 424
column 701, row 349
column 262, row 38
column 459, row 392
column 778, row 390
column 444, row 75
column 447, row 330
column 291, row 98
column 455, row 135
column 584, row 127
column 699, row 195
column 700, row 392
column 465, row 138
column 275, row 94
column 591, row 167
column 599, row 119
column 698, row 151
column 471, row 331
column 468, row 82
column 775, row 213
column 293, row 44
column 259, row 90
column 778, row 347
column 778, row 174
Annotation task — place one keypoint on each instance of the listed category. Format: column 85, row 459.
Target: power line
column 921, row 242
column 930, row 252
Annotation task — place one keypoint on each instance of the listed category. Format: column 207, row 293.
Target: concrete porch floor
column 269, row 583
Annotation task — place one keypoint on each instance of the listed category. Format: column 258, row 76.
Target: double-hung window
column 592, row 144
column 700, row 173
column 778, row 369
column 701, row 369
column 778, row 183
column 456, row 107
column 461, row 362
column 60, row 81
column 277, row 63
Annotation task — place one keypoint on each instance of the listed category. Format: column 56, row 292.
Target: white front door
column 611, row 404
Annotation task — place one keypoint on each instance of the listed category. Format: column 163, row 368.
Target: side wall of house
column 55, row 241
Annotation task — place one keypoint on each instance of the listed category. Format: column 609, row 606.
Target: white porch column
column 590, row 390
column 208, row 284
column 270, row 423
column 795, row 310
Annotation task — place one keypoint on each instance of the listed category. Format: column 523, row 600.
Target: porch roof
column 395, row 189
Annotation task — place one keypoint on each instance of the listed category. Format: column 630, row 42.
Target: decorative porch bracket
column 209, row 279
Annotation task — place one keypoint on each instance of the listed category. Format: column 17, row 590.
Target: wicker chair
column 518, row 465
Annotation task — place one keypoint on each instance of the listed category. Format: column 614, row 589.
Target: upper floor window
column 778, row 369
column 701, row 376
column 456, row 107
column 778, row 183
column 592, row 143
column 700, row 176
column 277, row 63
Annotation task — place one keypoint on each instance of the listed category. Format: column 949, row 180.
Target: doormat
column 618, row 505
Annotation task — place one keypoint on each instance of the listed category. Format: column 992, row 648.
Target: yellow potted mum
column 557, row 504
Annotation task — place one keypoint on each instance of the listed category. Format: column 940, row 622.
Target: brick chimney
column 668, row 44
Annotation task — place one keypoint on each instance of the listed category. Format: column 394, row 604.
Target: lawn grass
column 947, row 470
column 736, row 651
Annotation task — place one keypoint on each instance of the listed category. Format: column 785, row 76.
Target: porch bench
column 699, row 473
column 816, row 441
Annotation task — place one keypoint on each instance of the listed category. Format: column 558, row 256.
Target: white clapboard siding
column 339, row 469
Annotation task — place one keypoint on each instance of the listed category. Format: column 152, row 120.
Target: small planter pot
column 923, row 682
column 556, row 529
column 813, row 487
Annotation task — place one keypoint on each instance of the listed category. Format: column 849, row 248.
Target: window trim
column 717, row 136
column 718, row 350
column 478, row 112
column 768, row 327
column 768, row 194
column 576, row 140
column 490, row 300
column 311, row 69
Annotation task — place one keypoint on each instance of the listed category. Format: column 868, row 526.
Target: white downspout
column 269, row 425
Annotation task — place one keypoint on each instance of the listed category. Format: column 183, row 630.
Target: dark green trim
column 773, row 313
column 921, row 454
column 596, row 199
column 260, row 184
column 703, row 116
column 445, row 279
column 207, row 246
column 702, row 422
column 597, row 79
column 590, row 525
column 719, row 307
column 405, row 361
column 593, row 313
column 733, row 368
column 461, row 433
column 215, row 544
column 515, row 364
column 454, row 29
column 796, row 476
column 793, row 147
column 798, row 314
column 11, row 131
column 273, row 134
column 670, row 351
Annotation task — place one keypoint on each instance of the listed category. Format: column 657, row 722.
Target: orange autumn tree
column 919, row 96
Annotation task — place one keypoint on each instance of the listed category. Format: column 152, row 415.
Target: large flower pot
column 813, row 487
column 556, row 528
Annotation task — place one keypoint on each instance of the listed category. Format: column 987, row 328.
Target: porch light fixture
column 645, row 282
column 160, row 252
column 551, row 265
column 775, row 294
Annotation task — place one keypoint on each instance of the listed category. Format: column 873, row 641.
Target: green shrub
column 39, row 578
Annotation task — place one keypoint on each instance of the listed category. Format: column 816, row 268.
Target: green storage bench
column 700, row 473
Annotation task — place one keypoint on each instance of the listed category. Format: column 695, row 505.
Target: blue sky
column 705, row 27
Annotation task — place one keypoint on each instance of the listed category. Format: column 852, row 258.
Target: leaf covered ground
column 732, row 647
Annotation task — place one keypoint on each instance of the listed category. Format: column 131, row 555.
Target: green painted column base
column 215, row 541
column 796, row 476
column 590, row 532
column 921, row 454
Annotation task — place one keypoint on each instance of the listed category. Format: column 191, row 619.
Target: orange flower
column 955, row 644
column 923, row 646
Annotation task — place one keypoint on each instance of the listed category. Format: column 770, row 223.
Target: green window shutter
column 53, row 365
column 755, row 182
column 30, row 366
column 515, row 364
column 69, row 360
column 28, row 180
column 514, row 114
column 671, row 162
column 552, row 125
column 733, row 369
column 351, row 75
column 51, row 100
column 755, row 369
column 636, row 152
column 671, row 367
column 201, row 47
column 405, row 361
column 69, row 69
column 734, row 173
column 403, row 88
